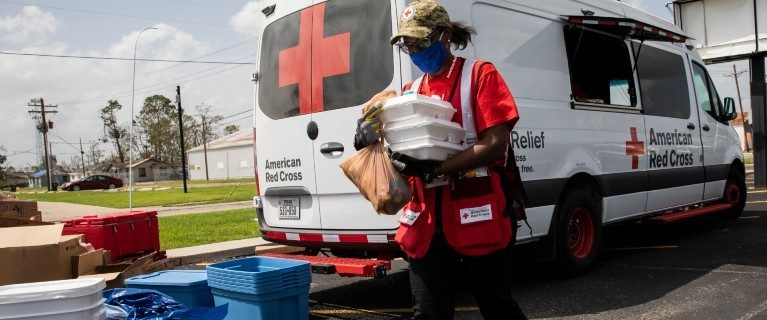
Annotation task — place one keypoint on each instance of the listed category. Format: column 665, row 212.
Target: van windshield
column 325, row 57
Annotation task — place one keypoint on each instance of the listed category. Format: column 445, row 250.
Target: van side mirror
column 729, row 108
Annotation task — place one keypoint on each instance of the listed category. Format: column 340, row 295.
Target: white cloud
column 248, row 20
column 31, row 25
column 62, row 82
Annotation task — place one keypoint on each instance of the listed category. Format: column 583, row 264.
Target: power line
column 120, row 15
column 237, row 114
column 119, row 59
column 118, row 82
column 127, row 93
column 229, row 122
column 204, row 4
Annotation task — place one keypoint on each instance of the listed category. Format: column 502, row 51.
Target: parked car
column 92, row 183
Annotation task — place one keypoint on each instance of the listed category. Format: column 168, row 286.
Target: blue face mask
column 431, row 59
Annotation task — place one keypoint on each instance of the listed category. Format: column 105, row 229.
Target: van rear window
column 328, row 56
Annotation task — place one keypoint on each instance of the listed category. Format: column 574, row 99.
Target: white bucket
column 421, row 128
column 75, row 299
column 415, row 106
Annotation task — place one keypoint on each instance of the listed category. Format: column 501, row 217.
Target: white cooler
column 76, row 299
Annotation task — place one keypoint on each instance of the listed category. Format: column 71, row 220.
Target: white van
column 619, row 119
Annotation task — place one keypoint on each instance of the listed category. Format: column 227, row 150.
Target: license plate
column 289, row 209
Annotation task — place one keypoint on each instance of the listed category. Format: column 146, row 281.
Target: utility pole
column 205, row 147
column 82, row 157
column 181, row 133
column 40, row 103
column 735, row 74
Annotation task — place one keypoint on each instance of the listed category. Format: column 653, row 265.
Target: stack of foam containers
column 420, row 126
column 261, row 288
column 76, row 299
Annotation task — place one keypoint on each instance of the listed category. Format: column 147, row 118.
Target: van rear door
column 284, row 119
column 354, row 62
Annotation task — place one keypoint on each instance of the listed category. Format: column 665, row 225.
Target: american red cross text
column 313, row 59
column 634, row 148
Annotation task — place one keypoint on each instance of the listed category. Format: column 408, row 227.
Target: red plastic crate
column 123, row 234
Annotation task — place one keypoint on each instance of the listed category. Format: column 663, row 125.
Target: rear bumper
column 369, row 240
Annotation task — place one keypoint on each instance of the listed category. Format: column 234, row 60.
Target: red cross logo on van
column 634, row 148
column 313, row 59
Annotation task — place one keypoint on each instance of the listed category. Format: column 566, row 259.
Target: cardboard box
column 37, row 253
column 6, row 222
column 19, row 209
column 114, row 274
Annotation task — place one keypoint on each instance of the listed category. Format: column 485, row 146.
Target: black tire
column 76, row 188
column 579, row 231
column 111, row 186
column 735, row 193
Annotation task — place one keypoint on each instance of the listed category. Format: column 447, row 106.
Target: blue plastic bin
column 189, row 287
column 259, row 275
column 289, row 304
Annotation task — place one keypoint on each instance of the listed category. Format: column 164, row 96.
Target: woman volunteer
column 469, row 221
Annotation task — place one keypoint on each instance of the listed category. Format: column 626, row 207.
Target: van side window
column 662, row 82
column 708, row 98
column 600, row 68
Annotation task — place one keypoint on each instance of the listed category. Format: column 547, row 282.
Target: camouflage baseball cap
column 420, row 18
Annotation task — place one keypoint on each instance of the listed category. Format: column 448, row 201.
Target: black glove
column 409, row 166
column 368, row 129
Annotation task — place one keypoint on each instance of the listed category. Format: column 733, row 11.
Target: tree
column 3, row 158
column 232, row 128
column 206, row 132
column 113, row 131
column 159, row 130
column 95, row 155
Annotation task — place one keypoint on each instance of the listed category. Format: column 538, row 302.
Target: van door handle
column 690, row 126
column 331, row 147
column 706, row 128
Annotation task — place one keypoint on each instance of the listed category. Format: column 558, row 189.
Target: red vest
column 472, row 216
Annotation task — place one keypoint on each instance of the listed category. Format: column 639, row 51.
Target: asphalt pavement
column 695, row 269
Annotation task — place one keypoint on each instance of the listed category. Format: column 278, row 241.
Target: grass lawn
column 749, row 158
column 168, row 197
column 203, row 228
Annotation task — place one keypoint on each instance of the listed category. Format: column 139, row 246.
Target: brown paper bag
column 370, row 169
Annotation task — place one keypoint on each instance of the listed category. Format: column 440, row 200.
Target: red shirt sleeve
column 495, row 105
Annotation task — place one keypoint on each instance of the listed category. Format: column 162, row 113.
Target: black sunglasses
column 419, row 44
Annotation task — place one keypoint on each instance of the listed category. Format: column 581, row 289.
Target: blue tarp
column 130, row 304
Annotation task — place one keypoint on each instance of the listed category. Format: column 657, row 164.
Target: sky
column 221, row 30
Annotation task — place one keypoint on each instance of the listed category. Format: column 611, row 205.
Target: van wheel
column 735, row 192
column 579, row 232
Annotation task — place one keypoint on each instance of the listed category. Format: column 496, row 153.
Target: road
column 696, row 269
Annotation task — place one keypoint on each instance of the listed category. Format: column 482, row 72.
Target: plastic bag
column 129, row 303
column 370, row 169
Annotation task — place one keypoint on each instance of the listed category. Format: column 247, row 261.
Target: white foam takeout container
column 423, row 127
column 427, row 149
column 412, row 106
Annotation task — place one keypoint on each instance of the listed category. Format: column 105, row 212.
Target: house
column 39, row 179
column 19, row 179
column 145, row 169
column 230, row 157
